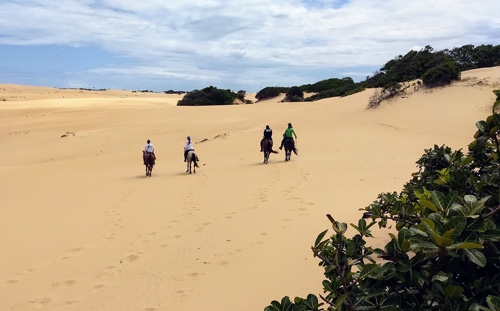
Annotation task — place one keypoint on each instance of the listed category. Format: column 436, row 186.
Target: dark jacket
column 268, row 133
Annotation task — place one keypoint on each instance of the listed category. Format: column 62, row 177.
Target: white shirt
column 149, row 148
column 189, row 145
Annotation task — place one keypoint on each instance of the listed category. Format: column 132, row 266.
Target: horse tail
column 195, row 160
column 274, row 151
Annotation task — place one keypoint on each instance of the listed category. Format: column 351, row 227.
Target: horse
column 289, row 147
column 191, row 158
column 149, row 162
column 267, row 147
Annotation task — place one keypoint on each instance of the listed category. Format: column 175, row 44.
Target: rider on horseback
column 289, row 133
column 188, row 147
column 268, row 133
column 149, row 149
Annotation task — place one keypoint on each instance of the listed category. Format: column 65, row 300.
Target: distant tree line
column 430, row 68
column 433, row 68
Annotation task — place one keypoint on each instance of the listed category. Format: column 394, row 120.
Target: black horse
column 149, row 162
column 289, row 147
column 267, row 147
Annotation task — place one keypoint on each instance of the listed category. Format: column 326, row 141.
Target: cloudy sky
column 230, row 44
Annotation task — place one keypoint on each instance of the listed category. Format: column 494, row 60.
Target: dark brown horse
column 149, row 162
column 191, row 158
column 289, row 147
column 267, row 147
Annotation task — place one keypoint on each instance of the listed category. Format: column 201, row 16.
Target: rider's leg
column 185, row 155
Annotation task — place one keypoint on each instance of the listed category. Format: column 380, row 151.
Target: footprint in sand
column 108, row 272
column 183, row 293
column 40, row 302
column 67, row 283
column 132, row 258
column 99, row 286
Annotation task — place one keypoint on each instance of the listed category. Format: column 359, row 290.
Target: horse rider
column 268, row 133
column 188, row 147
column 149, row 149
column 288, row 134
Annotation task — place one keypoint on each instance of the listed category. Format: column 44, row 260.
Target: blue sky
column 230, row 44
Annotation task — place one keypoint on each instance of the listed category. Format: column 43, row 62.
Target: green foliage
column 295, row 94
column 442, row 74
column 445, row 251
column 435, row 68
column 409, row 67
column 328, row 84
column 210, row 96
column 271, row 92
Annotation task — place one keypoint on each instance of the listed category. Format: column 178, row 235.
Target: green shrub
column 210, row 96
column 445, row 251
column 441, row 74
column 295, row 94
column 271, row 92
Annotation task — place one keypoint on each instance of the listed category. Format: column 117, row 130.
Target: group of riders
column 150, row 149
column 268, row 134
column 288, row 134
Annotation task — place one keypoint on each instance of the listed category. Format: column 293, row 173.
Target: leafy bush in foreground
column 445, row 251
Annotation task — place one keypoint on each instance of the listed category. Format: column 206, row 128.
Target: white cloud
column 249, row 36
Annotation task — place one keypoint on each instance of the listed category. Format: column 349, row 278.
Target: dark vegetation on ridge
column 428, row 67
column 444, row 253
column 213, row 96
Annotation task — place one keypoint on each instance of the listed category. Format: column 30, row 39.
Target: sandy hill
column 84, row 229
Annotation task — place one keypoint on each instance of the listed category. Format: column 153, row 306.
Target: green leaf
column 453, row 291
column 442, row 277
column 481, row 126
column 449, row 233
column 367, row 270
column 476, row 257
column 465, row 245
column 403, row 265
column 320, row 237
column 312, row 301
column 343, row 227
column 466, row 160
column 429, row 205
column 442, row 202
column 493, row 301
column 424, row 246
column 339, row 302
column 479, row 205
column 496, row 117
column 457, row 224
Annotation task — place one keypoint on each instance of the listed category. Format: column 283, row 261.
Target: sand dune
column 84, row 229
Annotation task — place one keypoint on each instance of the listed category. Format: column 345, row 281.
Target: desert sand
column 83, row 228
